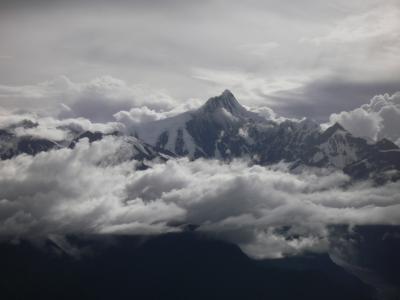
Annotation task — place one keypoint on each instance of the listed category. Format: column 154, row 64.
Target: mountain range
column 224, row 129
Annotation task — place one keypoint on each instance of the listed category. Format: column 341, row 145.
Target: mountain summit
column 226, row 105
column 226, row 101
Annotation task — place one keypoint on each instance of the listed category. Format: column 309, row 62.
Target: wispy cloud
column 364, row 27
column 251, row 88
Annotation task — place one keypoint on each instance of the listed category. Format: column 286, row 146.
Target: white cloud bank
column 380, row 118
column 90, row 189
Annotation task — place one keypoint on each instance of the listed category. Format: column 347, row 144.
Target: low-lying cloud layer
column 267, row 211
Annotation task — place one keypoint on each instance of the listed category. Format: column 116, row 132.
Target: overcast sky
column 301, row 58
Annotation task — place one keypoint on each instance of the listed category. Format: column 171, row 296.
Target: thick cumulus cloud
column 144, row 114
column 80, row 190
column 380, row 118
column 269, row 212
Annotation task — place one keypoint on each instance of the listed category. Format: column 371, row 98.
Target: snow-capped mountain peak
column 226, row 101
column 226, row 105
column 334, row 129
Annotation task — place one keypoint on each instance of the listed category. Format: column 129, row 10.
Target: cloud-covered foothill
column 269, row 212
